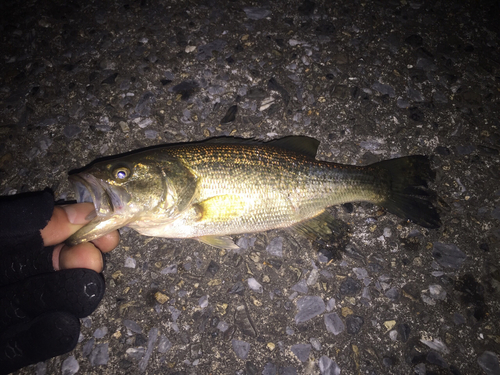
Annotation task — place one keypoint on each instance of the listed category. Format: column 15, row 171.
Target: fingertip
column 84, row 255
column 65, row 221
column 107, row 242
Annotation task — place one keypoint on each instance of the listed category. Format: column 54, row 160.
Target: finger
column 84, row 255
column 107, row 242
column 65, row 221
column 47, row 336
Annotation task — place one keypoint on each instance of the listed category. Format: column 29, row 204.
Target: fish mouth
column 108, row 200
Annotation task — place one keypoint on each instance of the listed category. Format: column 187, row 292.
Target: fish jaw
column 110, row 205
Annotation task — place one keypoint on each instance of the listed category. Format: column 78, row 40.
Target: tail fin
column 409, row 196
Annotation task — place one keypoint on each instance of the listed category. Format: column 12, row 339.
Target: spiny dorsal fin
column 301, row 144
column 298, row 143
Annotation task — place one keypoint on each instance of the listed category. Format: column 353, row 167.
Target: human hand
column 40, row 308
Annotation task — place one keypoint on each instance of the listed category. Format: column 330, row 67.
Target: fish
column 226, row 186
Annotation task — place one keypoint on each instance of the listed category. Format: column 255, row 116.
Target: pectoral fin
column 221, row 242
column 221, row 208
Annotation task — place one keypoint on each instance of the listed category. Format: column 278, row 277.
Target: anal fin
column 326, row 232
column 221, row 242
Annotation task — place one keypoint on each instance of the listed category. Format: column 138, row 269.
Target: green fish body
column 214, row 189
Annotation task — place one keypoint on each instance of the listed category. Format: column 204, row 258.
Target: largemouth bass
column 213, row 189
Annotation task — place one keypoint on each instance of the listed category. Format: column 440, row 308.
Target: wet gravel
column 370, row 80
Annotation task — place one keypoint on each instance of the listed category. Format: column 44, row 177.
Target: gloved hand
column 45, row 286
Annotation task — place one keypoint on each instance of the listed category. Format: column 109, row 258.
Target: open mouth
column 89, row 189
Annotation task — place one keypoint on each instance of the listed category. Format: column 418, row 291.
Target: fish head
column 139, row 190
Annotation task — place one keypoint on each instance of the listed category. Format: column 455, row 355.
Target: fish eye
column 121, row 173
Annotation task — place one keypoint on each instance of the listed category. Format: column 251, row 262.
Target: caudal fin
column 409, row 196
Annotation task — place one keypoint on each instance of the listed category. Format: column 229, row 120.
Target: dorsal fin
column 301, row 144
column 298, row 143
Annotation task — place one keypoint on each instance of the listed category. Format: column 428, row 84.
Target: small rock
column 275, row 247
column 301, row 351
column 316, row 344
column 130, row 262
column 256, row 13
column 333, row 323
column 448, row 255
column 203, row 302
column 241, row 348
column 70, row 366
column 330, row 304
column 437, row 292
column 488, row 361
column 99, row 333
column 308, row 307
column 384, row 89
column 349, row 287
column 354, row 324
column 71, row 131
column 164, row 344
column 99, row 355
column 300, row 287
column 133, row 326
column 161, row 298
column 152, row 337
column 328, row 367
column 169, row 269
column 255, row 285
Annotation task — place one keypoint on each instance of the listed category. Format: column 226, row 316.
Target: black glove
column 39, row 307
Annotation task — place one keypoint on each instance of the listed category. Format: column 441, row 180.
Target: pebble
column 328, row 366
column 152, row 337
column 222, row 326
column 275, row 247
column 333, row 323
column 87, row 348
column 133, row 326
column 164, row 344
column 313, row 277
column 354, row 324
column 151, row 134
column 488, row 361
column 301, row 351
column 70, row 366
column 448, row 255
column 130, row 262
column 384, row 89
column 99, row 333
column 99, row 355
column 436, row 344
column 256, row 13
column 172, row 268
column 241, row 348
column 71, row 131
column 136, row 353
column 316, row 344
column 309, row 307
column 437, row 292
column 300, row 287
column 270, row 369
column 203, row 302
column 330, row 304
column 361, row 273
column 255, row 285
column 349, row 287
column 289, row 330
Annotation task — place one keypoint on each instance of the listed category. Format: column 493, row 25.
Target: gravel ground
column 370, row 80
